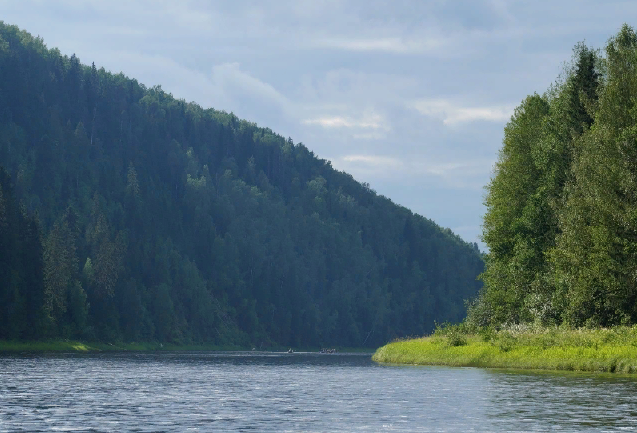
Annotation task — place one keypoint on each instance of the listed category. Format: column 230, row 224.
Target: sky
column 411, row 96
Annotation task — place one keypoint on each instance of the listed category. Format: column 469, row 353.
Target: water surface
column 178, row 392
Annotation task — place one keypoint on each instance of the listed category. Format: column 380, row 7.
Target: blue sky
column 410, row 96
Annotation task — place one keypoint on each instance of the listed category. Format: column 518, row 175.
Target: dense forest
column 561, row 221
column 129, row 215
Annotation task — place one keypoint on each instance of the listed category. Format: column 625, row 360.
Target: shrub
column 506, row 341
column 487, row 334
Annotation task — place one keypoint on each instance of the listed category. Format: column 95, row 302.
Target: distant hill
column 127, row 214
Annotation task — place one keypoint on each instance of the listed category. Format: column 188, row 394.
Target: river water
column 179, row 392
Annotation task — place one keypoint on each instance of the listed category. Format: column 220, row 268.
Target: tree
column 60, row 266
column 514, row 215
column 596, row 254
column 190, row 224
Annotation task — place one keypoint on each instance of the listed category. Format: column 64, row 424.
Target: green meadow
column 612, row 350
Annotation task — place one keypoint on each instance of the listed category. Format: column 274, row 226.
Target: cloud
column 464, row 168
column 369, row 136
column 468, row 175
column 374, row 160
column 391, row 44
column 151, row 70
column 369, row 121
column 451, row 113
column 358, row 81
column 365, row 166
column 229, row 79
column 225, row 87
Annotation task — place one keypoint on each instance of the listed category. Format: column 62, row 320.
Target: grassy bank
column 596, row 350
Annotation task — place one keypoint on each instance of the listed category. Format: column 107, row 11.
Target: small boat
column 290, row 350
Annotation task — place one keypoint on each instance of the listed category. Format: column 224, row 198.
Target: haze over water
column 176, row 392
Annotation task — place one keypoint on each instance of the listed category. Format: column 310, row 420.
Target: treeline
column 135, row 216
column 561, row 221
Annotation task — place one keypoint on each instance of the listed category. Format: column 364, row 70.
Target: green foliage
column 453, row 334
column 487, row 334
column 595, row 258
column 561, row 208
column 515, row 216
column 456, row 339
column 22, row 291
column 505, row 341
column 165, row 221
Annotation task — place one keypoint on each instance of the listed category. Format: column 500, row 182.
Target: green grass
column 598, row 350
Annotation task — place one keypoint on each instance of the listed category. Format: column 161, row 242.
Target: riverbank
column 593, row 350
column 83, row 347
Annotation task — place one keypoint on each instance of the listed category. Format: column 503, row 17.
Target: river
column 275, row 392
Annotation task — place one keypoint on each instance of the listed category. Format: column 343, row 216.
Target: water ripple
column 265, row 392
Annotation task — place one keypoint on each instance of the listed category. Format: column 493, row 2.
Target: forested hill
column 127, row 214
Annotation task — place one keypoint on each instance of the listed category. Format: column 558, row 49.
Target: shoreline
column 600, row 351
column 58, row 346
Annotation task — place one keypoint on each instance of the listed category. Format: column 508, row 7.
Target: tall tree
column 596, row 257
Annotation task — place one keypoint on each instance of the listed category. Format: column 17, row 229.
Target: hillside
column 129, row 215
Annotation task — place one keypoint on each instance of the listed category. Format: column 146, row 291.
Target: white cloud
column 374, row 160
column 175, row 78
column 368, row 121
column 468, row 175
column 228, row 78
column 392, row 44
column 364, row 166
column 451, row 113
column 227, row 86
column 455, row 168
column 312, row 69
column 369, row 136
